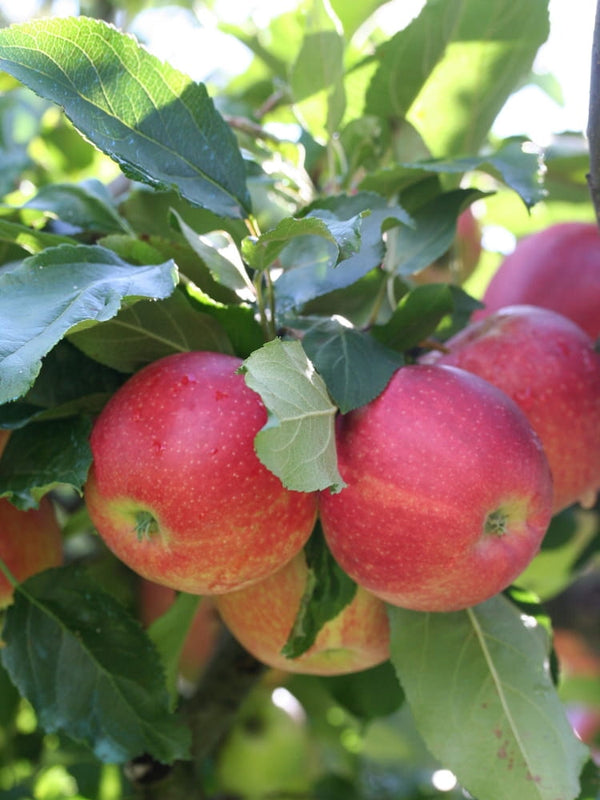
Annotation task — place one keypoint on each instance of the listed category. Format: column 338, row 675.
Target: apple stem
column 495, row 523
column 145, row 525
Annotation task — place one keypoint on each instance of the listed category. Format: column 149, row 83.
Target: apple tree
column 316, row 217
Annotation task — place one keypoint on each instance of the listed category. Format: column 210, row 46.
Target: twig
column 593, row 129
column 250, row 128
column 229, row 677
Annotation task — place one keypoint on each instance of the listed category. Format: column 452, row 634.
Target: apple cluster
column 452, row 476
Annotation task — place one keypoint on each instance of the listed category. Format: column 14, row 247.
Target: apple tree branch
column 593, row 128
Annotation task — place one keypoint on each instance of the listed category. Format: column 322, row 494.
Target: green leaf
column 68, row 375
column 413, row 248
column 517, row 162
column 150, row 213
column 87, row 206
column 343, row 234
column 51, row 292
column 310, row 264
column 13, row 162
column 221, row 255
column 355, row 366
column 407, row 59
column 553, row 568
column 416, row 317
column 463, row 305
column 69, row 384
column 156, row 122
column 169, row 632
column 238, row 322
column 327, row 592
column 88, row 669
column 352, row 15
column 590, row 781
column 298, row 442
column 368, row 694
column 30, row 240
column 317, row 85
column 489, row 53
column 479, row 687
column 147, row 331
column 42, row 456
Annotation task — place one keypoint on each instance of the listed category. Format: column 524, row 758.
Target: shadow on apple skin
column 261, row 618
column 30, row 541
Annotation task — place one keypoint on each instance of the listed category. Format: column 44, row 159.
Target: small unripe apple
column 448, row 492
column 30, row 541
column 176, row 489
column 549, row 367
column 556, row 268
column 203, row 632
column 261, row 618
column 266, row 754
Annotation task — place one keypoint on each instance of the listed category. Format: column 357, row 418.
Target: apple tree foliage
column 280, row 215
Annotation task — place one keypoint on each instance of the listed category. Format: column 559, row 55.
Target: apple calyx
column 146, row 525
column 496, row 523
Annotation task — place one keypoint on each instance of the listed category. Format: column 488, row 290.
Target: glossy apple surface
column 176, row 490
column 448, row 491
column 30, row 541
column 556, row 268
column 548, row 365
column 155, row 600
column 261, row 618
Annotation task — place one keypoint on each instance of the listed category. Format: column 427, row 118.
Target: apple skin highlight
column 176, row 489
column 448, row 495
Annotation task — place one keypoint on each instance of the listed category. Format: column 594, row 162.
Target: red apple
column 203, row 633
column 548, row 365
column 30, row 541
column 261, row 618
column 462, row 258
column 448, row 491
column 556, row 268
column 176, row 489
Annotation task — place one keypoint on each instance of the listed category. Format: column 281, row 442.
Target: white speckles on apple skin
column 425, row 464
column 178, row 440
column 549, row 367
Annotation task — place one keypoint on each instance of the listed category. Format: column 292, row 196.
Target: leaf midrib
column 499, row 687
column 69, row 84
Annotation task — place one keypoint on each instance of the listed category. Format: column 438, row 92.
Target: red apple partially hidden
column 448, row 491
column 548, row 365
column 556, row 268
column 30, row 541
column 176, row 489
column 261, row 618
column 203, row 632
